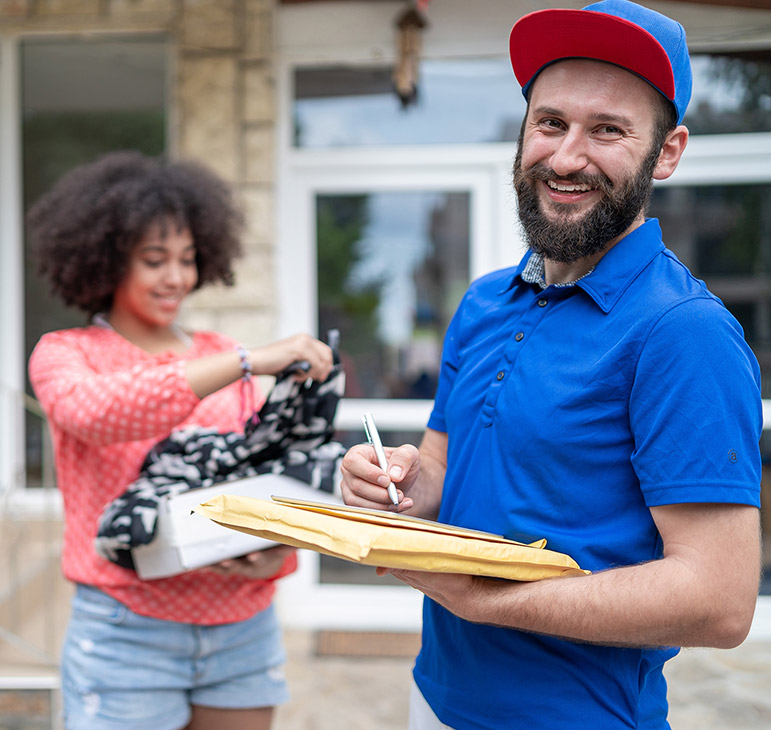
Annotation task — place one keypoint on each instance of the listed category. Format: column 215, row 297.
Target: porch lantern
column 410, row 25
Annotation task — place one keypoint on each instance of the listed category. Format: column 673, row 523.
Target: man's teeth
column 568, row 187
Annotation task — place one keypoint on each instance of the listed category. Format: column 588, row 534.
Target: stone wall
column 222, row 114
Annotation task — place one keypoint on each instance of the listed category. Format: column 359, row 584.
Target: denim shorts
column 121, row 670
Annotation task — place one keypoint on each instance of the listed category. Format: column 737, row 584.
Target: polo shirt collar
column 618, row 268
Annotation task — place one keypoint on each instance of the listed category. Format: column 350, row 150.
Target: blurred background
column 373, row 163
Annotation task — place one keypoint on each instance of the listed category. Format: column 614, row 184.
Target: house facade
column 365, row 211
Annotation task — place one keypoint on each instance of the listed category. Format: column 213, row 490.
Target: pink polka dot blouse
column 108, row 402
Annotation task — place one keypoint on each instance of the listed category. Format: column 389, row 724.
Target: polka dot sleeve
column 88, row 390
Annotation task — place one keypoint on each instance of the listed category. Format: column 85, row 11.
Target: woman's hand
column 273, row 358
column 260, row 564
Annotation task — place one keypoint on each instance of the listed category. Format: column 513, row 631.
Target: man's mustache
column 541, row 172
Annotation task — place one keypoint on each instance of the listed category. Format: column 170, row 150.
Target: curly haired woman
column 125, row 239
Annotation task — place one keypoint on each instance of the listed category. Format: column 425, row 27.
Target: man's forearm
column 701, row 593
column 643, row 605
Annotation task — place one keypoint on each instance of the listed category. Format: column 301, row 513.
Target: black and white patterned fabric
column 291, row 434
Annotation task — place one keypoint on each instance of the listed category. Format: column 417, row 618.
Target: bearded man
column 596, row 395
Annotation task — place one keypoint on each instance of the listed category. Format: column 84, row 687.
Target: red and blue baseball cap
column 624, row 33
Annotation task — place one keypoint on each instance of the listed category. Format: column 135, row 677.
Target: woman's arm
column 208, row 374
column 144, row 400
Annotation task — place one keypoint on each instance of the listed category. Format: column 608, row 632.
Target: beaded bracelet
column 246, row 366
column 247, row 392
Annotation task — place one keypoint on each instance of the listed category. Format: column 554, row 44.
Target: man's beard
column 566, row 241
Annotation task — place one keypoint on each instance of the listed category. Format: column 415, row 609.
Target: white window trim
column 11, row 272
column 726, row 159
column 395, row 169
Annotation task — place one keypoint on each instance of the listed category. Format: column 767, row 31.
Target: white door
column 383, row 249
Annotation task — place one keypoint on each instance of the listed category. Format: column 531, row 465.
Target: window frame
column 13, row 399
column 708, row 160
column 12, row 375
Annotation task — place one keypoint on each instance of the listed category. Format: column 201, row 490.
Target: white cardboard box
column 185, row 541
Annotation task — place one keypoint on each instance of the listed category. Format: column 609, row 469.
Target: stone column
column 226, row 115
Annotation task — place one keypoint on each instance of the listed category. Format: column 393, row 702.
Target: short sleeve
column 695, row 409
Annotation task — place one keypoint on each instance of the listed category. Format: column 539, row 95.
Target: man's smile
column 568, row 187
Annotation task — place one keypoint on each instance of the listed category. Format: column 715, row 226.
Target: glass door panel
column 392, row 267
column 723, row 234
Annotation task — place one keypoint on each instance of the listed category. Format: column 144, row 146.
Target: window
column 459, row 101
column 718, row 223
column 731, row 93
column 392, row 267
column 358, row 167
column 726, row 240
column 80, row 98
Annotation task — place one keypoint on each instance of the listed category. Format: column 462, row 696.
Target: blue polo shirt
column 569, row 412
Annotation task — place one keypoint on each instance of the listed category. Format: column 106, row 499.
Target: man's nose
column 571, row 153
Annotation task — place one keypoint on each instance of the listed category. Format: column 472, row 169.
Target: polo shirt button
column 543, row 302
column 519, row 336
column 501, row 375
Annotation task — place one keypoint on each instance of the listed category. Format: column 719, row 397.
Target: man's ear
column 671, row 152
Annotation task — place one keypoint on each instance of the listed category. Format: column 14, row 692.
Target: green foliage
column 748, row 75
column 740, row 246
column 341, row 221
column 55, row 142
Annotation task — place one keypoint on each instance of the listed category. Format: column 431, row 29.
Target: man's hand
column 418, row 475
column 365, row 484
column 459, row 594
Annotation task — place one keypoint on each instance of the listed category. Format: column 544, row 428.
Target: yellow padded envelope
column 387, row 539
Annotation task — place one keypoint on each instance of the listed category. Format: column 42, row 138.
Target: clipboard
column 387, row 539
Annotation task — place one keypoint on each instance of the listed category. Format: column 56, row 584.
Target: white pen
column 374, row 438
